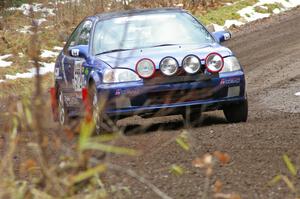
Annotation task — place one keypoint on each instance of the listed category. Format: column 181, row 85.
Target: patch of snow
column 35, row 7
column 249, row 14
column 57, row 48
column 264, row 7
column 297, row 94
column 44, row 69
column 276, row 11
column 25, row 30
column 179, row 5
column 228, row 4
column 39, row 22
column 287, row 4
column 217, row 28
column 64, row 2
column 48, row 54
column 4, row 63
column 2, row 81
column 5, row 56
column 229, row 23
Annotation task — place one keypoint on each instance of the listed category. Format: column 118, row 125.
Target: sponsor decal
column 71, row 100
column 56, row 74
column 78, row 80
column 75, row 52
column 234, row 80
column 133, row 92
column 86, row 71
column 226, row 36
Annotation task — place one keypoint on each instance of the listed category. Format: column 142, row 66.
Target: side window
column 80, row 36
column 74, row 36
column 84, row 35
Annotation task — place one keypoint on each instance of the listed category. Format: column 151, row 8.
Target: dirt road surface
column 269, row 50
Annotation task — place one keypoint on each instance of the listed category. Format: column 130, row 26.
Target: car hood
column 128, row 59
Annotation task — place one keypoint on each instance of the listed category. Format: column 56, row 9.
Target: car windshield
column 151, row 30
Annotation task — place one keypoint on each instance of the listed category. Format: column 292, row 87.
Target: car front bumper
column 137, row 98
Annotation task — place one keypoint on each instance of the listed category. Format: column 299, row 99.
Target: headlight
column 119, row 75
column 231, row 64
column 168, row 66
column 145, row 68
column 191, row 64
column 214, row 62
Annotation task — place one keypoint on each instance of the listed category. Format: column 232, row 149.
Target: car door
column 72, row 64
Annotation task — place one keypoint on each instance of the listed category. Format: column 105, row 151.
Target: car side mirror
column 79, row 51
column 222, row 36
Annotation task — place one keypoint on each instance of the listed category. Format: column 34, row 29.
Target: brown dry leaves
column 207, row 162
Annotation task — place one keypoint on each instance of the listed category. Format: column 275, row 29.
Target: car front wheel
column 236, row 112
column 103, row 124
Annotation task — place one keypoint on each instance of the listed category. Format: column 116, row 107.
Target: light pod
column 168, row 66
column 191, row 64
column 145, row 68
column 214, row 62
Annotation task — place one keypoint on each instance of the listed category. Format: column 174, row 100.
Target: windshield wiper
column 162, row 45
column 112, row 51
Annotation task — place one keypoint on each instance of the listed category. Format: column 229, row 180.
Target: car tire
column 63, row 117
column 103, row 124
column 236, row 113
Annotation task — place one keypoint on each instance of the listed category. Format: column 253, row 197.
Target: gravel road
column 269, row 50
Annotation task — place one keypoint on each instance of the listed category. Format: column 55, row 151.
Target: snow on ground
column 48, row 54
column 229, row 23
column 40, row 21
column 25, row 30
column 64, row 2
column 297, row 94
column 35, row 7
column 57, row 48
column 44, row 69
column 4, row 63
column 249, row 14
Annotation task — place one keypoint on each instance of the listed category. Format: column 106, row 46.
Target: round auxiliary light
column 145, row 68
column 191, row 64
column 214, row 62
column 168, row 66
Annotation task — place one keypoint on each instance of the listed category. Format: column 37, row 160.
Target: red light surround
column 86, row 100
column 207, row 59
column 54, row 104
column 153, row 69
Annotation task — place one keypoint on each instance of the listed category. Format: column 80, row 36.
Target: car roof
column 135, row 12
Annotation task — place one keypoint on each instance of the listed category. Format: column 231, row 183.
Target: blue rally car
column 144, row 62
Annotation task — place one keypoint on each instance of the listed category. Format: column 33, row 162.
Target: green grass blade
column 177, row 170
column 290, row 166
column 181, row 140
column 87, row 174
column 109, row 148
column 275, row 180
column 289, row 183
